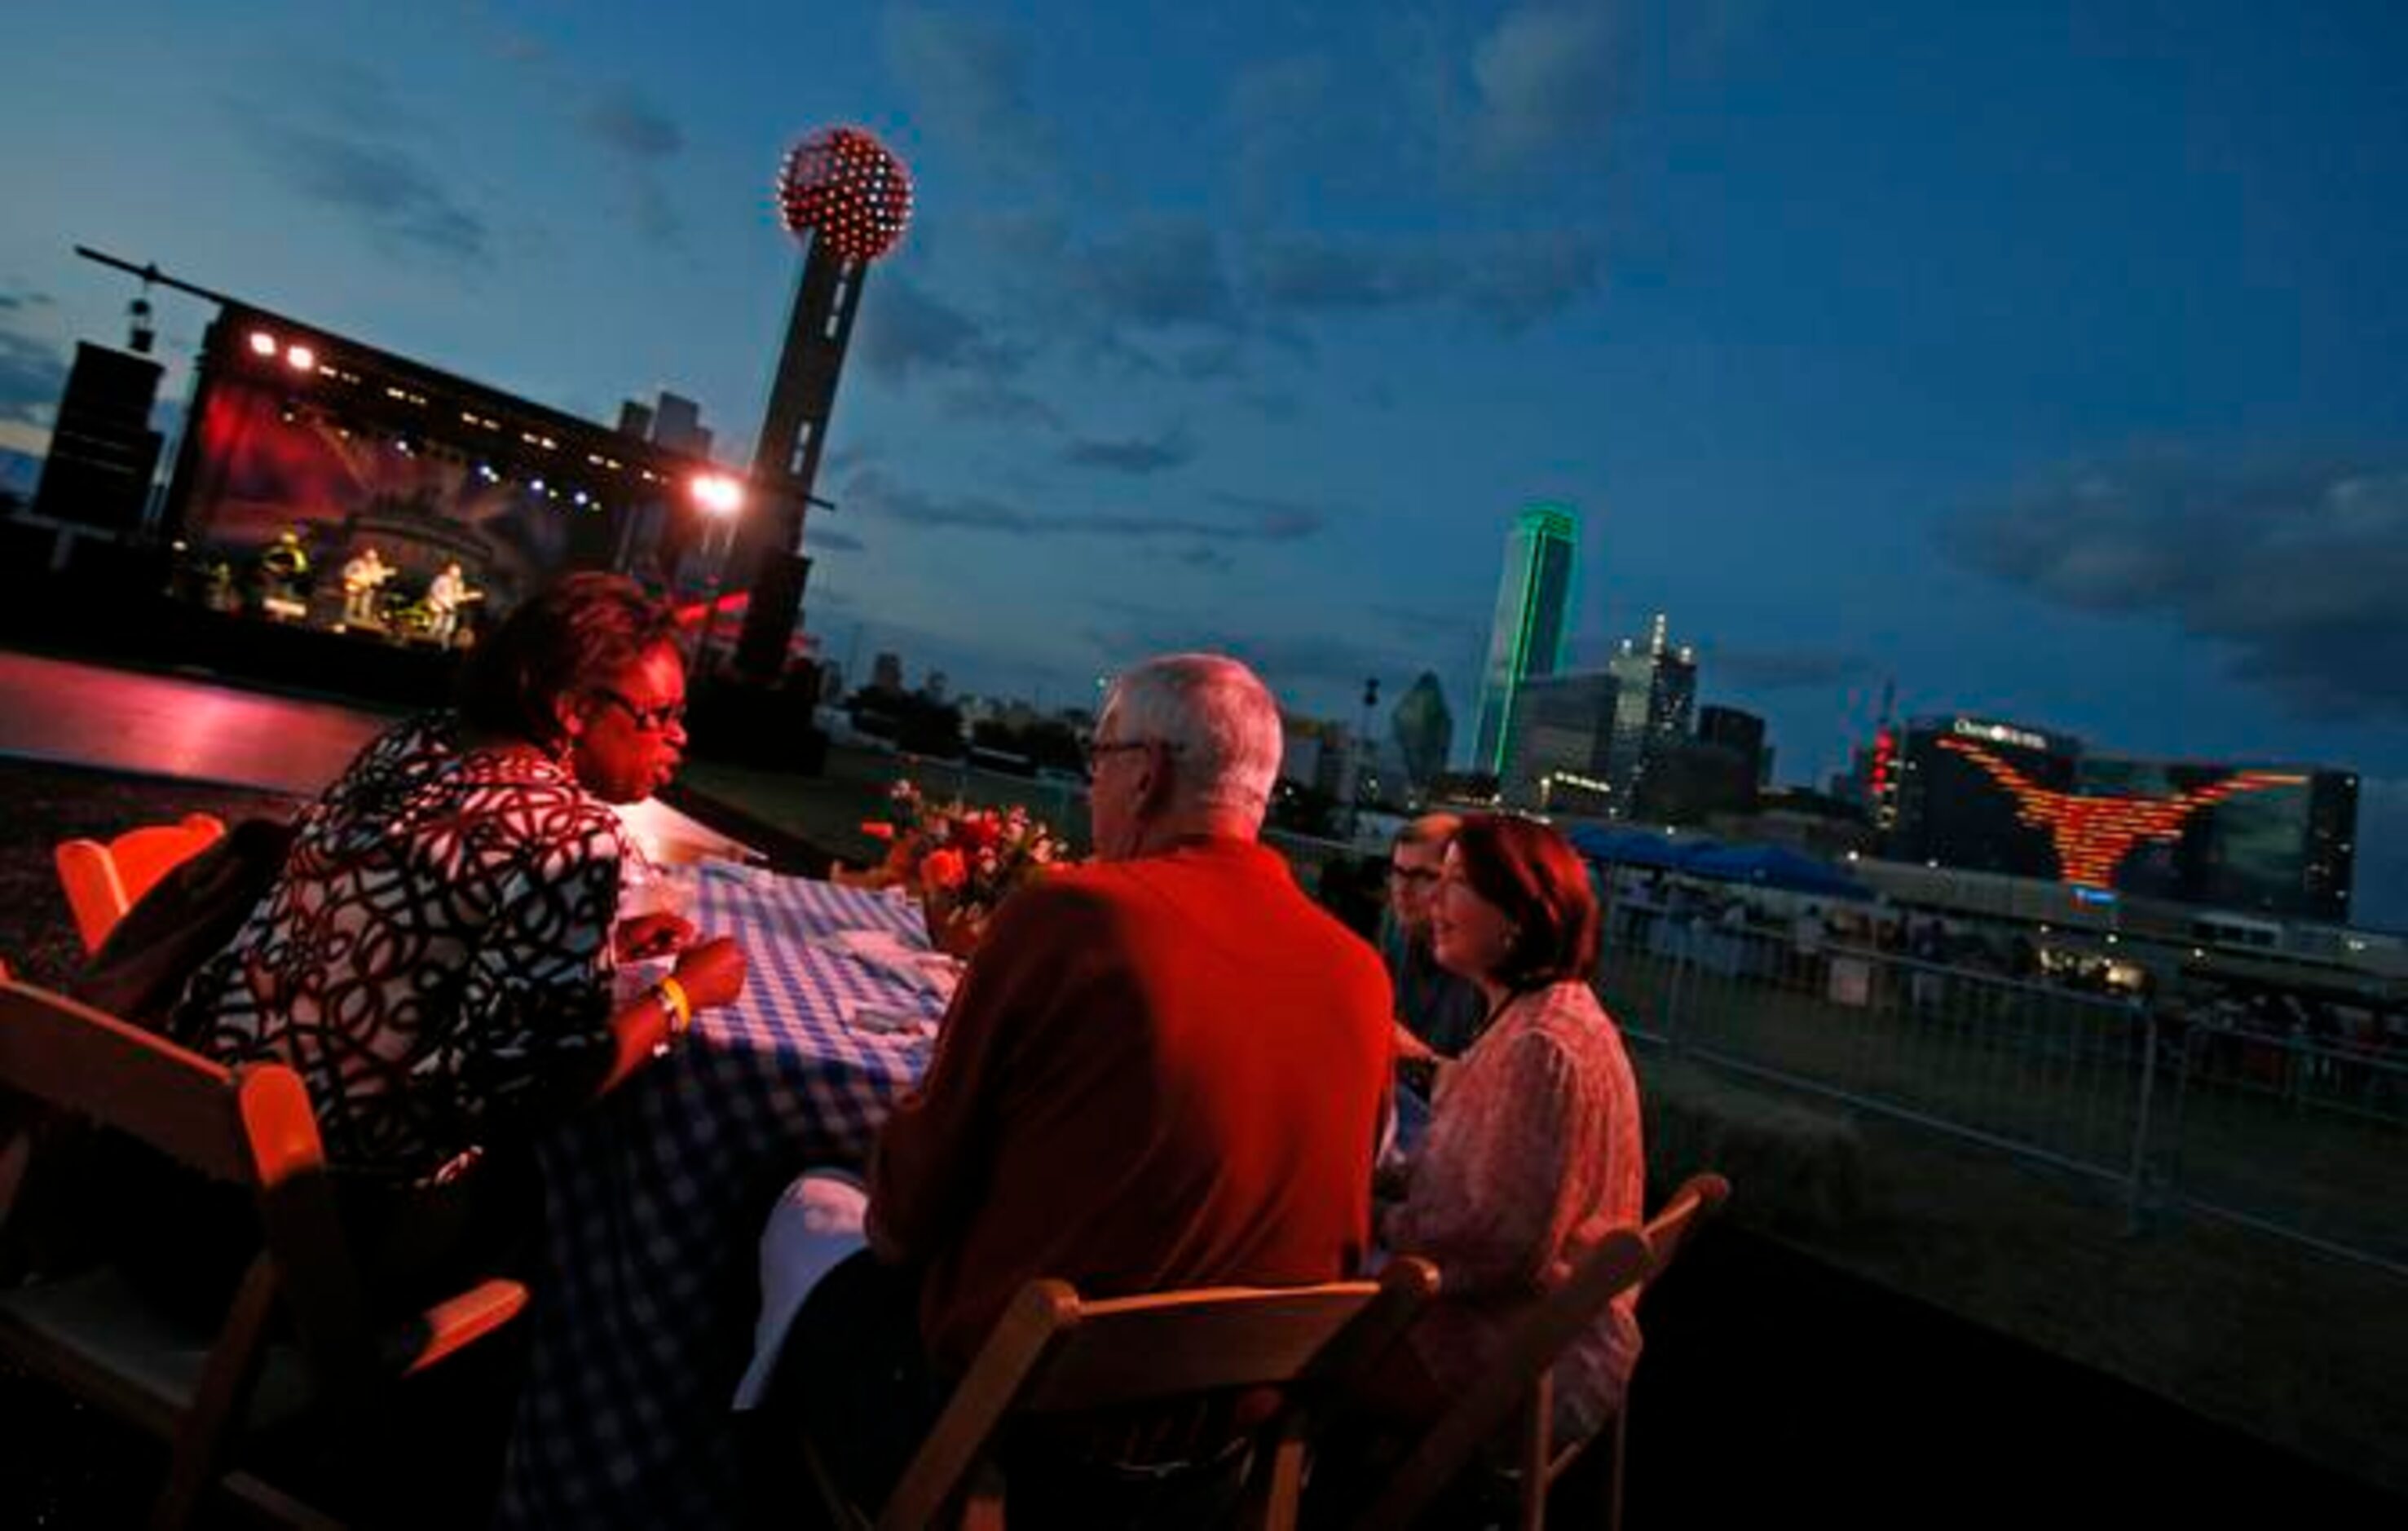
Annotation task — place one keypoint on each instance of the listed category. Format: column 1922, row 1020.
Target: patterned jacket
column 435, row 958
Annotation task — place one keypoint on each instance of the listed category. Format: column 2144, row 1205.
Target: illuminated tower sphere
column 844, row 189
column 848, row 199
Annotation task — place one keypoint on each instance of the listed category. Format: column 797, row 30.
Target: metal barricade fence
column 2285, row 1135
column 2044, row 1072
column 2294, row 1136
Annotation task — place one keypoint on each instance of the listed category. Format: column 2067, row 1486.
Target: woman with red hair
column 1534, row 1131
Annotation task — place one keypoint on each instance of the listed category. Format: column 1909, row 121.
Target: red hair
column 1538, row 882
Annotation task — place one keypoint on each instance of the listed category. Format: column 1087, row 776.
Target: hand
column 648, row 935
column 712, row 972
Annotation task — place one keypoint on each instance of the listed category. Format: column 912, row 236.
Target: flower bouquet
column 960, row 861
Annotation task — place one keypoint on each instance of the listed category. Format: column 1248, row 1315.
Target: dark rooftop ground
column 1788, row 1374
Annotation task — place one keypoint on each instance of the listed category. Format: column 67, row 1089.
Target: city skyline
column 2043, row 361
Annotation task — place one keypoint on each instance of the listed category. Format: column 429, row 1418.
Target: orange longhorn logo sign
column 2094, row 835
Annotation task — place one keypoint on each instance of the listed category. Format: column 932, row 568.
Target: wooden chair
column 1517, row 1394
column 1055, row 1354
column 103, row 881
column 298, row 1338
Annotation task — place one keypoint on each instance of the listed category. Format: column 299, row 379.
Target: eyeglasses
column 1099, row 748
column 647, row 719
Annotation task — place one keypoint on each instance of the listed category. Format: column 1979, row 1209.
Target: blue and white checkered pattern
column 657, row 1197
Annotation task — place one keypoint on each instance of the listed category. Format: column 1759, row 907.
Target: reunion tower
column 847, row 198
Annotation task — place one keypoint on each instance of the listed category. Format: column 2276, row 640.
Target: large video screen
column 2272, row 841
column 284, row 500
column 1965, row 802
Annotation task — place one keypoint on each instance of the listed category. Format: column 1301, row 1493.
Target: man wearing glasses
column 1437, row 1013
column 1164, row 1069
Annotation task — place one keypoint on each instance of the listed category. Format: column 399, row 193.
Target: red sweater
column 1158, row 1073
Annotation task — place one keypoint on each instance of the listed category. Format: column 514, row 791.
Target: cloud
column 1210, row 362
column 1001, row 403
column 909, row 332
column 1278, row 114
column 833, row 541
column 1159, row 275
column 1512, row 280
column 1543, row 83
column 1300, row 518
column 967, row 77
column 19, row 302
column 2296, row 567
column 31, row 377
column 1428, row 624
column 1782, row 669
column 384, row 186
column 1524, row 279
column 626, row 123
column 1139, row 457
column 640, row 139
column 879, row 493
column 1287, row 661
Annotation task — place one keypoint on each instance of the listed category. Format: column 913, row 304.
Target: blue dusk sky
column 2044, row 358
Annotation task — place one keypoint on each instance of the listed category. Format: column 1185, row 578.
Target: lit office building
column 1655, row 698
column 1526, row 637
column 1562, row 736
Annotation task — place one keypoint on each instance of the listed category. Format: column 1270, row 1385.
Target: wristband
column 673, row 999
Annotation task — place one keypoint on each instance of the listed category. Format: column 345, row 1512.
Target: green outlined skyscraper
column 1533, row 603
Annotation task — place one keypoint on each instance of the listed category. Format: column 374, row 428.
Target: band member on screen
column 362, row 575
column 285, row 564
column 446, row 595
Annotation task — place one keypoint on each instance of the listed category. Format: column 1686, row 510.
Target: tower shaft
column 786, row 457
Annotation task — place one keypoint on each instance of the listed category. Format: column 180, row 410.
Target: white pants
column 816, row 1226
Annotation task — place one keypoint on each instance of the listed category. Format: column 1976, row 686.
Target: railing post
column 2136, row 1186
column 1680, row 965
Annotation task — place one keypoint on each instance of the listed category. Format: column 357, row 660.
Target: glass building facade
column 1526, row 637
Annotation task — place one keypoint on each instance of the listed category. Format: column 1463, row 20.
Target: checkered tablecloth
column 656, row 1198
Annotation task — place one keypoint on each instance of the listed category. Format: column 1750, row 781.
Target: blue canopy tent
column 1774, row 866
column 1638, row 847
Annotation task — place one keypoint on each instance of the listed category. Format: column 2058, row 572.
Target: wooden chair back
column 1055, row 1354
column 250, row 1127
column 1517, row 1394
column 102, row 881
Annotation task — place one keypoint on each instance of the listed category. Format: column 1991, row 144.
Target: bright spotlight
column 262, row 343
column 301, row 359
column 719, row 493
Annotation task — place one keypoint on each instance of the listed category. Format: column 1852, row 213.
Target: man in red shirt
column 1163, row 1069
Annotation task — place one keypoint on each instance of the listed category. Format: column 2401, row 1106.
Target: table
column 643, row 1319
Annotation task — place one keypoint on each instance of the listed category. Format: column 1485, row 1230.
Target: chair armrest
column 456, row 1321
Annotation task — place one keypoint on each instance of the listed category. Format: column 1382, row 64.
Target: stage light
column 579, row 496
column 536, row 486
column 719, row 493
column 262, row 343
column 301, row 359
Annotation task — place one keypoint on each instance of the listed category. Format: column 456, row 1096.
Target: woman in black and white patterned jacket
column 435, row 957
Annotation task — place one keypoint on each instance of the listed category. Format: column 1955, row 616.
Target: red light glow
column 847, row 188
column 2093, row 834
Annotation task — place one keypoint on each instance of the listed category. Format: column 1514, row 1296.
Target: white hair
column 1219, row 719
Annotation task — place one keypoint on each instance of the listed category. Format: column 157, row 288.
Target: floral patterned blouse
column 1532, row 1133
column 435, row 957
